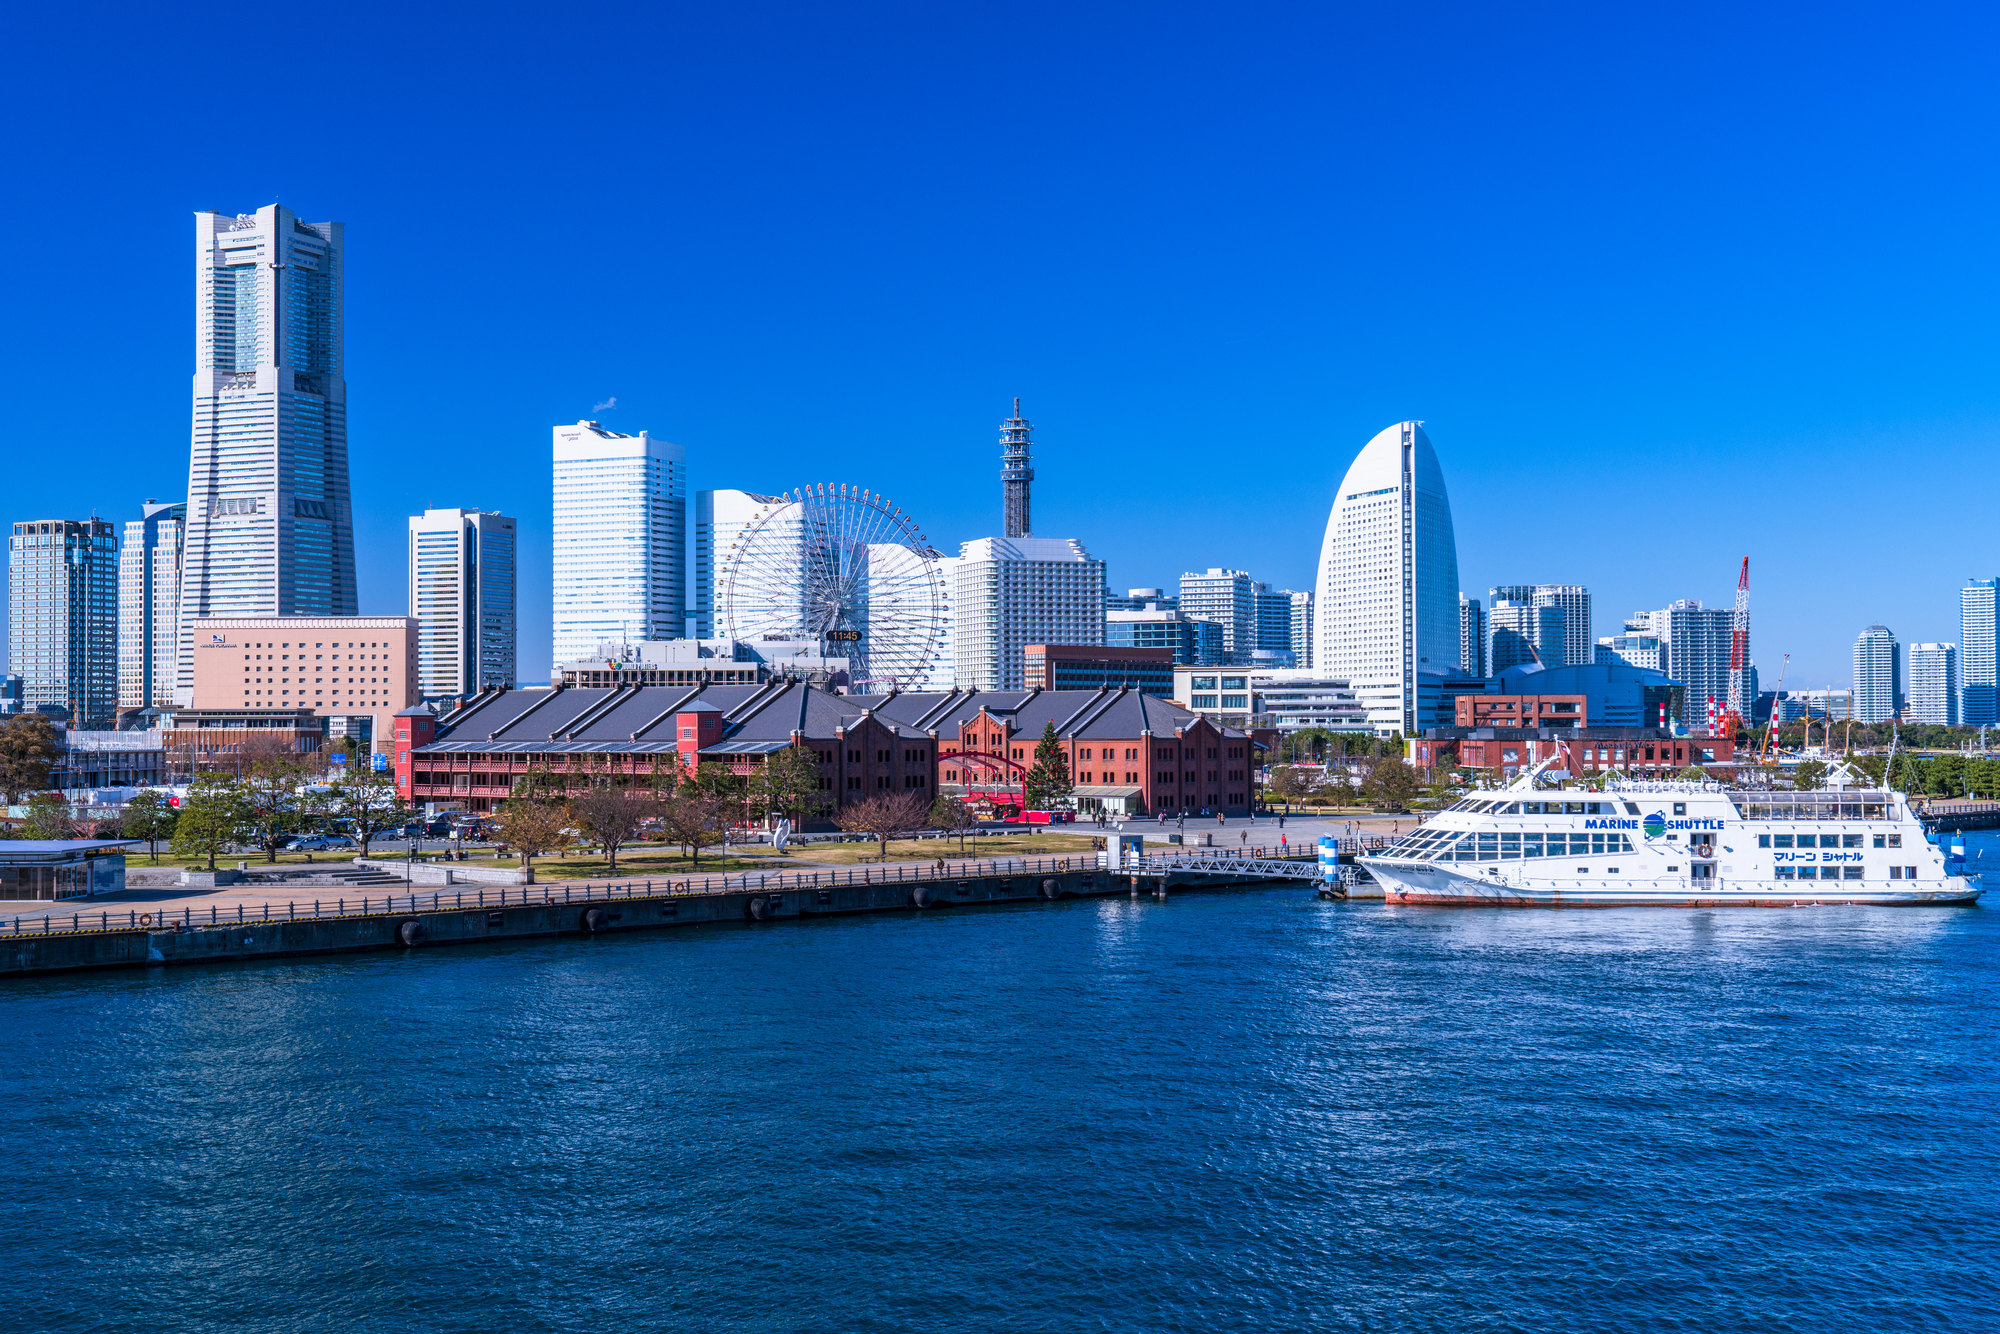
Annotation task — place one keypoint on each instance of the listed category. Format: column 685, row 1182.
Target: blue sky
column 1669, row 287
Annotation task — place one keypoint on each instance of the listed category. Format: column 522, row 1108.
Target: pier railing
column 554, row 893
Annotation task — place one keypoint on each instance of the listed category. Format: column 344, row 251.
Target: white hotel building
column 619, row 539
column 270, row 530
column 1010, row 592
column 1387, row 596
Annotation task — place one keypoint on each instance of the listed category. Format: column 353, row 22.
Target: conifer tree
column 1049, row 780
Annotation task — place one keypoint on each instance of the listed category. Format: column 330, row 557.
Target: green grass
column 640, row 861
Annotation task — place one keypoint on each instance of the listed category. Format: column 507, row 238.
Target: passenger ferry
column 1672, row 845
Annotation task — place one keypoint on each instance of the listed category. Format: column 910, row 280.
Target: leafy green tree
column 148, row 816
column 28, row 751
column 48, row 819
column 276, row 809
column 368, row 803
column 788, row 783
column 1393, row 782
column 214, row 815
column 1049, row 778
column 1808, row 775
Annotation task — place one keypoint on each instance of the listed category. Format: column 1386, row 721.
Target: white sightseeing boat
column 1672, row 845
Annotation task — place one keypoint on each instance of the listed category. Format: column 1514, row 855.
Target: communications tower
column 1015, row 474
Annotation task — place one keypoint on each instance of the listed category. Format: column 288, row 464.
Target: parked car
column 309, row 843
column 337, row 841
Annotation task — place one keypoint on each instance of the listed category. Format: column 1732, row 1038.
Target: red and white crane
column 1740, row 709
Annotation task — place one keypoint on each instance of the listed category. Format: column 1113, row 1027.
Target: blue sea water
column 1228, row 1111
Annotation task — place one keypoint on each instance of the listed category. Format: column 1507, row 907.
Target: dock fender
column 759, row 908
column 410, row 931
column 923, row 896
column 1052, row 889
column 591, row 919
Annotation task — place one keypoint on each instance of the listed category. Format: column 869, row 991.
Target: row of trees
column 1387, row 781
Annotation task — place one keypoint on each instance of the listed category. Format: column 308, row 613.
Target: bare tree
column 611, row 815
column 695, row 818
column 954, row 817
column 884, row 814
column 532, row 826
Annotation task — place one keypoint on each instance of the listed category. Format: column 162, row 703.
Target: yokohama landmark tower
column 270, row 530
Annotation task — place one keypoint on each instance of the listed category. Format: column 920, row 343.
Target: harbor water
column 1228, row 1111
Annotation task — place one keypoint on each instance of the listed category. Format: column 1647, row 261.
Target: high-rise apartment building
column 1192, row 641
column 1934, row 684
column 1302, row 629
column 619, row 539
column 270, row 529
column 1695, row 642
column 62, row 618
column 1142, row 599
column 1274, row 622
column 1577, row 647
column 1388, row 578
column 1229, row 598
column 1878, row 675
column 1635, row 650
column 1013, row 592
column 462, row 594
column 1471, row 636
column 1978, row 662
column 1523, row 634
column 149, row 604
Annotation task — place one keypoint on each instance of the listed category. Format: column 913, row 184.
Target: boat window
column 1631, row 808
column 1853, row 872
column 1871, row 810
column 1850, row 810
column 1788, row 872
column 1829, row 840
column 1779, row 840
column 1895, row 840
column 1531, row 845
column 1510, row 847
column 1763, row 840
column 1511, row 808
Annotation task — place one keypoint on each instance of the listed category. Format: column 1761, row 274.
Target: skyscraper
column 1978, row 663
column 1302, row 628
column 719, row 520
column 1471, row 636
column 1934, row 684
column 1522, row 634
column 1012, row 592
column 149, row 604
column 270, row 530
column 1878, row 675
column 1577, row 647
column 1229, row 598
column 1015, row 437
column 1695, row 641
column 619, row 539
column 62, row 617
column 462, row 596
column 1388, row 578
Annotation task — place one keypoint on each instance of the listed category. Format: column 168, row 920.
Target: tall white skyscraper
column 1388, row 578
column 1934, row 684
column 149, row 604
column 1577, row 647
column 1302, row 628
column 1978, row 662
column 719, row 520
column 62, row 617
column 1522, row 634
column 1878, row 675
column 1016, row 591
column 462, row 593
column 270, row 530
column 619, row 539
column 1694, row 641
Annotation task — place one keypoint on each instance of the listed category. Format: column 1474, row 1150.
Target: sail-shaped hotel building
column 1388, row 581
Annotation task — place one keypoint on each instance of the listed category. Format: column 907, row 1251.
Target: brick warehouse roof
column 637, row 719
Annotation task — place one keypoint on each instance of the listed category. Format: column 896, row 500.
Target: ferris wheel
column 842, row 568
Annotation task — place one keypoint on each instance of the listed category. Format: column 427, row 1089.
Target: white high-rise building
column 1878, row 675
column 1229, row 598
column 462, row 594
column 719, row 520
column 270, row 530
column 1574, row 599
column 1978, row 661
column 62, row 618
column 896, row 570
column 1471, row 636
column 1695, row 643
column 1934, row 684
column 149, row 604
column 619, row 539
column 1521, row 634
column 1016, row 591
column 1387, row 600
column 1302, row 630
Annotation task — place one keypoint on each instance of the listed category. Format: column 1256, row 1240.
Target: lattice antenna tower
column 1015, row 474
column 1739, row 647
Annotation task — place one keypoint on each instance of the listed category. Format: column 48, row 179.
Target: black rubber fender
column 759, row 908
column 923, row 896
column 1052, row 889
column 411, row 931
column 591, row 919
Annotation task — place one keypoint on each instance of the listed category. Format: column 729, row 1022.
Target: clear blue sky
column 1669, row 287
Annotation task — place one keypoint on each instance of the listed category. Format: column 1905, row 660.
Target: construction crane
column 1740, row 709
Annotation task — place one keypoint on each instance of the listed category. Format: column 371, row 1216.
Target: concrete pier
column 468, row 914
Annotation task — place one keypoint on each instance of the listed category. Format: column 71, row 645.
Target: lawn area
column 136, row 858
column 930, row 849
column 641, row 861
